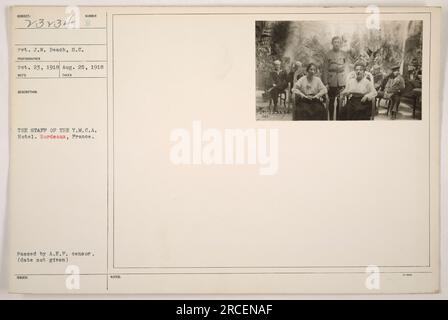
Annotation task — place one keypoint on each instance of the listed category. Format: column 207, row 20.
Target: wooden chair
column 390, row 106
column 326, row 102
column 417, row 101
column 282, row 97
column 340, row 105
column 373, row 113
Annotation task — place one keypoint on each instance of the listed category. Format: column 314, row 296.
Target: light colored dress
column 362, row 87
column 310, row 88
column 309, row 109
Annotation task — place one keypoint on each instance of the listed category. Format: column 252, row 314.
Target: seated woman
column 308, row 90
column 359, row 92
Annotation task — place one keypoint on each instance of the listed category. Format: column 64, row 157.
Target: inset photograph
column 318, row 70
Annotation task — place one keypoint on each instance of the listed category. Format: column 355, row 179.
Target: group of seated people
column 395, row 88
column 356, row 101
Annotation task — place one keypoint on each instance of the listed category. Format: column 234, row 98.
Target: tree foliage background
column 395, row 42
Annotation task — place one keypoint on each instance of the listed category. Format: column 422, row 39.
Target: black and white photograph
column 151, row 153
column 338, row 70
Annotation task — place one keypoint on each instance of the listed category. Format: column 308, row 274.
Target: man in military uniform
column 394, row 88
column 334, row 72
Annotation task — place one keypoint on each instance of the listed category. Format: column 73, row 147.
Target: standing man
column 296, row 73
column 378, row 76
column 382, row 86
column 278, row 83
column 334, row 72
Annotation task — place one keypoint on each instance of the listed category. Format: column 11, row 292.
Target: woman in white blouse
column 309, row 90
column 360, row 91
